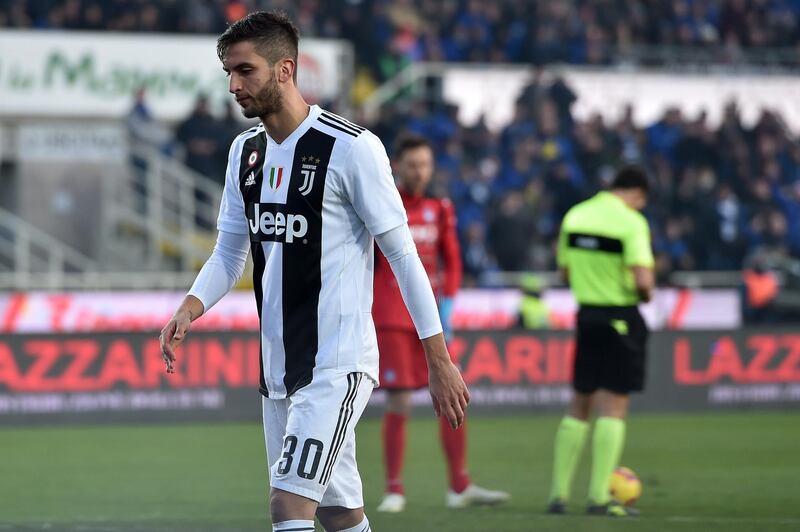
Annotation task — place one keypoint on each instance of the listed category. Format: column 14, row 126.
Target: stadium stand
column 727, row 196
column 593, row 31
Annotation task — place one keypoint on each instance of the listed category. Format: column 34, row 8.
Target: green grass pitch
column 727, row 472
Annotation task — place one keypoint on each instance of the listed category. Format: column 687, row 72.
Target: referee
column 604, row 253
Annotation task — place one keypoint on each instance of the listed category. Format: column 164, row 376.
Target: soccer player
column 402, row 362
column 604, row 252
column 308, row 192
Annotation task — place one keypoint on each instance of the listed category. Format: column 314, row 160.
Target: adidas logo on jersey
column 275, row 226
column 251, row 180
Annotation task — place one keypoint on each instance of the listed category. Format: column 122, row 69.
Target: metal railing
column 163, row 218
column 27, row 253
column 158, row 228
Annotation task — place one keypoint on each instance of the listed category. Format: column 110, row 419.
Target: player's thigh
column 320, row 417
column 402, row 360
column 344, row 488
column 274, row 412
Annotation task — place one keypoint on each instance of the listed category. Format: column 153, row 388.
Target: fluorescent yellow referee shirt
column 601, row 238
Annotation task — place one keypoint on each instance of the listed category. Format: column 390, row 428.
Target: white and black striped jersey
column 311, row 206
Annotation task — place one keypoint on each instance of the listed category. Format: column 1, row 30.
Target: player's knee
column 285, row 506
column 339, row 518
column 580, row 406
column 612, row 404
column 399, row 402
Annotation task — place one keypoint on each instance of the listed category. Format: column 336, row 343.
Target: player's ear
column 286, row 68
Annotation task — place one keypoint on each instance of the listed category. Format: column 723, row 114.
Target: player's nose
column 234, row 85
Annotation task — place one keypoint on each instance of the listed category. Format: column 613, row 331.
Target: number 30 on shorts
column 303, row 469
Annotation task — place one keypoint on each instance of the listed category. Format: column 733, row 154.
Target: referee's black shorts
column 610, row 350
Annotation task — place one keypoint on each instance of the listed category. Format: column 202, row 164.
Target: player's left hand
column 449, row 393
column 172, row 335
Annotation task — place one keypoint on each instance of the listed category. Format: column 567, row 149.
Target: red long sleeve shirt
column 432, row 222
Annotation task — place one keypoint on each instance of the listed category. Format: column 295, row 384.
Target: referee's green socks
column 570, row 438
column 607, row 443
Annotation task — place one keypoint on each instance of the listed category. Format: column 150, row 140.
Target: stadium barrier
column 475, row 308
column 119, row 377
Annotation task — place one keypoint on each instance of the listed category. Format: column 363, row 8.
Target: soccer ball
column 624, row 486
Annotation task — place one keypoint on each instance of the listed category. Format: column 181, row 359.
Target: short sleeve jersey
column 311, row 206
column 600, row 240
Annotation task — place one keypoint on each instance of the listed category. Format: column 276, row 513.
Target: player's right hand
column 172, row 335
column 449, row 393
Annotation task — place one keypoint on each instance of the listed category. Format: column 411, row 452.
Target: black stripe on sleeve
column 302, row 258
column 342, row 121
column 250, row 179
column 595, row 243
column 340, row 128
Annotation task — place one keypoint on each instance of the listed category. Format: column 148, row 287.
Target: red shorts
column 402, row 360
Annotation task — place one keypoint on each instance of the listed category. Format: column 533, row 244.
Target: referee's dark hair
column 631, row 177
column 273, row 33
column 410, row 142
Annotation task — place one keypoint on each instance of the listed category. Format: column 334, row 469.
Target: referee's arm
column 561, row 255
column 645, row 282
column 638, row 256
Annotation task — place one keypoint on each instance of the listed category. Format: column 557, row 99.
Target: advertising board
column 94, row 74
column 120, row 377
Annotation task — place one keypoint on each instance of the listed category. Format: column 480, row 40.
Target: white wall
column 493, row 91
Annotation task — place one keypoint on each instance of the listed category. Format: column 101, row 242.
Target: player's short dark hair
column 274, row 34
column 410, row 142
column 631, row 177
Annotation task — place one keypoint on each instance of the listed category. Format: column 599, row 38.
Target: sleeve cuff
column 427, row 333
column 200, row 297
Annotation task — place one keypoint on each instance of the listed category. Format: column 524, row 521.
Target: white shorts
column 311, row 441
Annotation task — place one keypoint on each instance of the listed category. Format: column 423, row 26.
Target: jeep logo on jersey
column 275, row 177
column 268, row 223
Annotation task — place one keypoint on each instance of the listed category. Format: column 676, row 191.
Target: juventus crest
column 309, row 170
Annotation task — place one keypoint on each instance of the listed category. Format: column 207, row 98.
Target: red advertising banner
column 120, row 376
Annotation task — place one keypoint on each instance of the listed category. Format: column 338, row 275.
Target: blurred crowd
column 723, row 197
column 391, row 33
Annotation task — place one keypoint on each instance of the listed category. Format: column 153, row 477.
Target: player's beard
column 266, row 102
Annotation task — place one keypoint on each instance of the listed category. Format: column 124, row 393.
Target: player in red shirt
column 402, row 361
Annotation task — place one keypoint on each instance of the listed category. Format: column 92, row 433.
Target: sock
column 607, row 443
column 394, row 446
column 570, row 438
column 363, row 526
column 295, row 524
column 454, row 443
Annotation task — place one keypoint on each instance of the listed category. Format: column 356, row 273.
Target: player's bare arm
column 448, row 391
column 177, row 328
column 645, row 280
